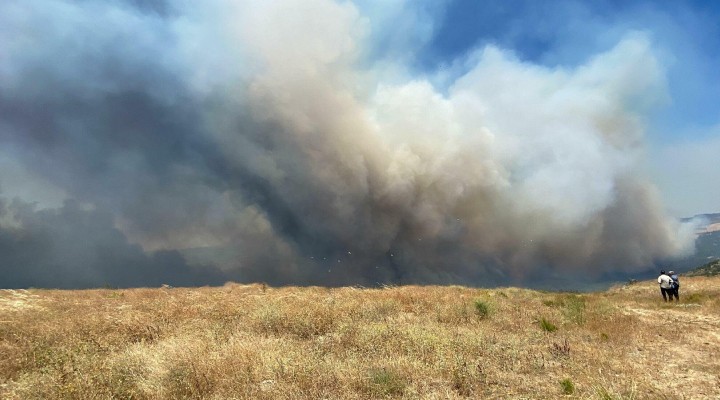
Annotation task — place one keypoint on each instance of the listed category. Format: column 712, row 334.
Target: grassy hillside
column 710, row 269
column 254, row 342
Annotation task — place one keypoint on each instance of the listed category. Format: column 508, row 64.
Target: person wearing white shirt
column 666, row 285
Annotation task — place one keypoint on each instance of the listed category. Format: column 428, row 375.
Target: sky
column 353, row 143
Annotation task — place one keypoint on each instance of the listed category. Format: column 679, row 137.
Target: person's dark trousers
column 666, row 293
column 675, row 292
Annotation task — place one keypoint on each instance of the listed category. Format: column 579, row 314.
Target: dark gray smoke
column 249, row 129
column 72, row 247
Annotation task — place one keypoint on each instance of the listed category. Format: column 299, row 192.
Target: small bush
column 303, row 322
column 560, row 349
column 693, row 298
column 464, row 377
column 604, row 394
column 384, row 382
column 454, row 313
column 550, row 303
column 568, row 387
column 547, row 326
column 575, row 309
column 186, row 380
column 482, row 309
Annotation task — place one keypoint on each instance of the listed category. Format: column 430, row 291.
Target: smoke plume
column 275, row 133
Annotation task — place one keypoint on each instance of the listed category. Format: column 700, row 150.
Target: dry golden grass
column 254, row 342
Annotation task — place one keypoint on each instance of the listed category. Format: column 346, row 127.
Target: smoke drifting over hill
column 273, row 129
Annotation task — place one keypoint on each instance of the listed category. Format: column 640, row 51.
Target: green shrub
column 568, row 386
column 482, row 309
column 547, row 326
column 384, row 382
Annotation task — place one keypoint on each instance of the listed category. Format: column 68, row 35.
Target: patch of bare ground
column 258, row 342
column 18, row 300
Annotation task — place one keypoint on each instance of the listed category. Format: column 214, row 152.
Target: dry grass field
column 256, row 342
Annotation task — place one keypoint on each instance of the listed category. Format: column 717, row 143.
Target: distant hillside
column 710, row 269
column 705, row 223
column 710, row 218
column 707, row 249
column 706, row 260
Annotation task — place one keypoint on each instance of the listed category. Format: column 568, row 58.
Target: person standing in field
column 675, row 286
column 665, row 282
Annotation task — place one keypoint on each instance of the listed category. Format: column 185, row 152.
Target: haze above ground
column 340, row 143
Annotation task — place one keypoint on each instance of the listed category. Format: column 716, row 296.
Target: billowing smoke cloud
column 273, row 133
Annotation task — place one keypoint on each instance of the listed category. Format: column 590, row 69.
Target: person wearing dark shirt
column 675, row 289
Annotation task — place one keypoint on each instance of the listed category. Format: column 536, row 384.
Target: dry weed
column 259, row 342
